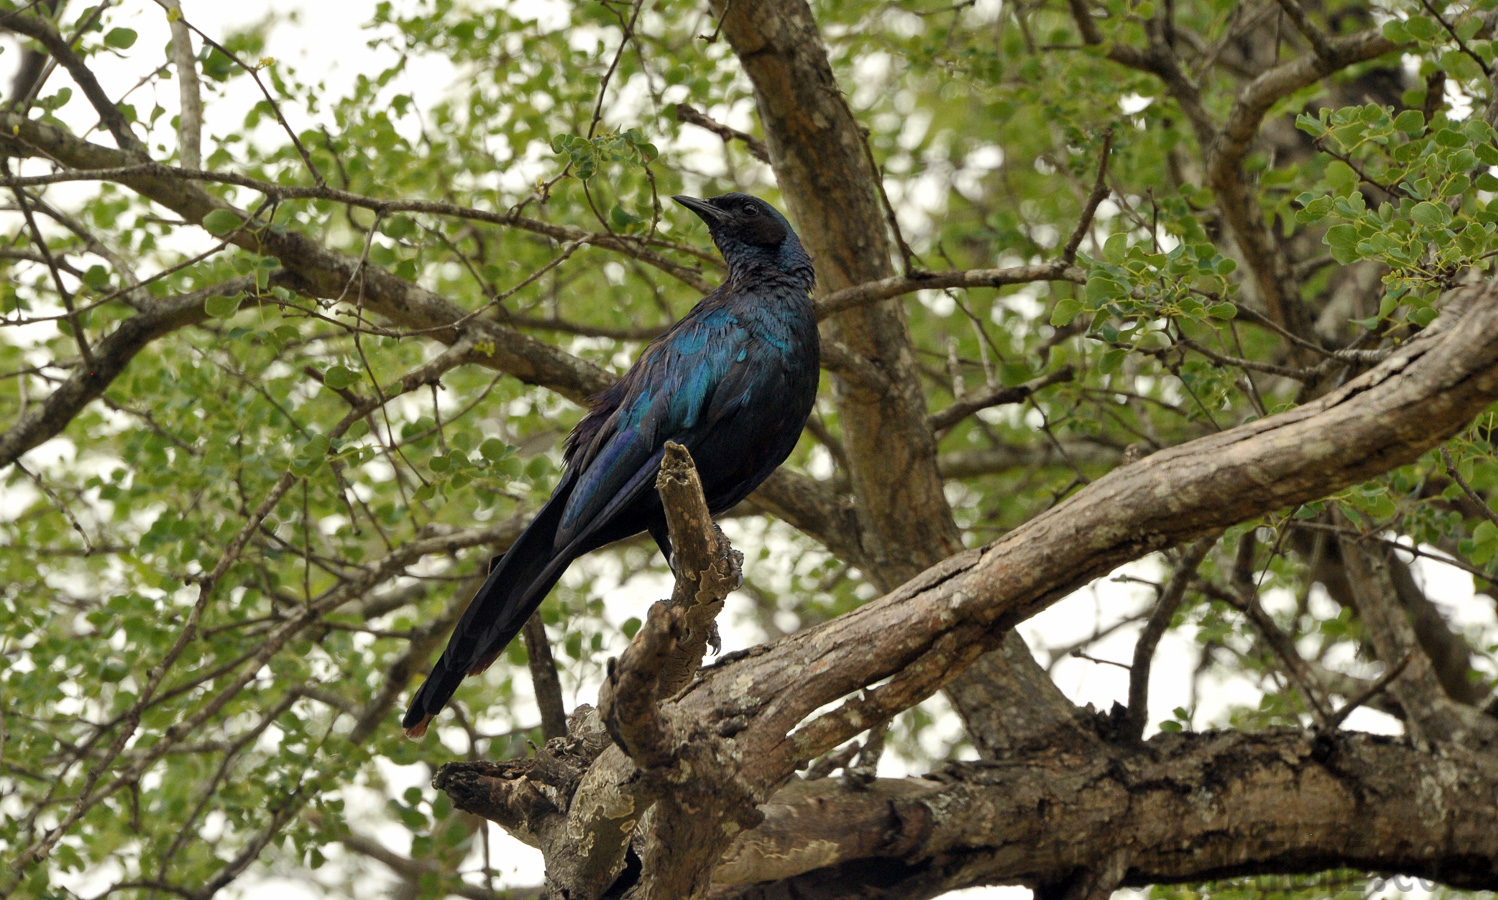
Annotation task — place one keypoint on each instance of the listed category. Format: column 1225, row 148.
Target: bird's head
column 752, row 235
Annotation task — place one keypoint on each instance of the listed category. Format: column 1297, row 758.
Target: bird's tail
column 516, row 585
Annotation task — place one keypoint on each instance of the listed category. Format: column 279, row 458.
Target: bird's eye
column 749, row 209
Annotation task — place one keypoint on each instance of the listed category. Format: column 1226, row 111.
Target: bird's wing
column 666, row 396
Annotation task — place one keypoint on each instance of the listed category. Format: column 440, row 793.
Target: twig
column 1079, row 654
column 74, row 321
column 544, row 679
column 61, row 507
column 603, row 86
column 1336, row 718
column 1094, row 200
column 692, row 116
column 1154, row 629
column 1310, row 32
column 1482, row 63
column 997, row 396
column 895, row 285
column 1487, row 511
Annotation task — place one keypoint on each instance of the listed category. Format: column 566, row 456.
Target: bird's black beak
column 709, row 213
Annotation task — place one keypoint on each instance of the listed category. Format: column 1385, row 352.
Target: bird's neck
column 790, row 267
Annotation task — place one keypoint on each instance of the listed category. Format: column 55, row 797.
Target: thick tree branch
column 322, row 272
column 596, row 794
column 120, row 170
column 924, row 633
column 1185, row 808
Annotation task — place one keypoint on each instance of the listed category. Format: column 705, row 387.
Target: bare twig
column 1476, row 498
column 1336, row 718
column 896, row 285
column 544, row 679
column 1144, row 650
column 997, row 396
column 691, row 115
column 1094, row 200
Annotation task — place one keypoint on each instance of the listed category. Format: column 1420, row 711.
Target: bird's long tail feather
column 516, row 585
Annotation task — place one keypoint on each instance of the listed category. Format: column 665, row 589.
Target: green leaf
column 120, row 38
column 494, row 449
column 1115, row 247
column 1154, row 340
column 57, row 100
column 220, row 222
column 623, row 218
column 1431, row 215
column 1422, row 28
column 1065, row 311
column 339, row 377
column 1342, row 178
column 222, row 307
column 1341, row 236
column 1411, row 121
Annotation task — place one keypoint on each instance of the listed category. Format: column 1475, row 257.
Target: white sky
column 323, row 43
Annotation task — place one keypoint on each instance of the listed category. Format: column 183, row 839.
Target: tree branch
column 1159, row 620
column 997, row 396
column 544, row 681
column 1214, row 806
column 1431, row 717
column 692, row 115
column 190, row 119
column 1224, row 164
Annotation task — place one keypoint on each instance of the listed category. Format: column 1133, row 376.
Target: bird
column 733, row 381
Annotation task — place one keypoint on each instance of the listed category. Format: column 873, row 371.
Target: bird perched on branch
column 733, row 382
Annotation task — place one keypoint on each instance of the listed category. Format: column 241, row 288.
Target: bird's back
column 733, row 381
